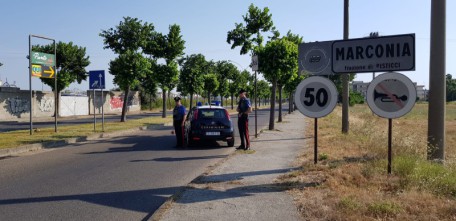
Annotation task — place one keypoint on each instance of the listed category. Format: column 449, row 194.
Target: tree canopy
column 249, row 35
column 128, row 39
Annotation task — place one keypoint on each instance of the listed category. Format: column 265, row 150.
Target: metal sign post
column 391, row 95
column 44, row 66
column 316, row 97
column 97, row 81
column 255, row 68
column 94, row 113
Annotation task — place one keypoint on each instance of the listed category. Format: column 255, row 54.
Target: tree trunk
column 280, row 103
column 232, row 101
column 272, row 109
column 57, row 103
column 123, row 118
column 289, row 103
column 209, row 98
column 191, row 101
column 150, row 102
column 164, row 103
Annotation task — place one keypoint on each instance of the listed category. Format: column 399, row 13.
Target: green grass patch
column 348, row 204
column 322, row 156
column 40, row 135
column 383, row 209
column 417, row 173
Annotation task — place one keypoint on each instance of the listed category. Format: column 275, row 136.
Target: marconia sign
column 388, row 53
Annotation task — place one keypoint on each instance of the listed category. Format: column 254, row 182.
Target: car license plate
column 212, row 133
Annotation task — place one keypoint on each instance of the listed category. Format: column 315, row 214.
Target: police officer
column 243, row 109
column 178, row 121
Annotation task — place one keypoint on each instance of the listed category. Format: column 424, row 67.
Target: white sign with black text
column 387, row 53
column 316, row 97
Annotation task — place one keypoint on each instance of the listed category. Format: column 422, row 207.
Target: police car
column 208, row 123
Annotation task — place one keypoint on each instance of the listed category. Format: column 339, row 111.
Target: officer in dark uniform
column 243, row 109
column 178, row 121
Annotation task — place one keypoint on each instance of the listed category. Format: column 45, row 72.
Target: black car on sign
column 208, row 123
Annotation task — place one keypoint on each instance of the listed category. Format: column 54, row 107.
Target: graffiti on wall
column 17, row 105
column 133, row 100
column 116, row 103
column 47, row 105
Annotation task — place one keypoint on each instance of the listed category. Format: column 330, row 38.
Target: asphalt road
column 122, row 178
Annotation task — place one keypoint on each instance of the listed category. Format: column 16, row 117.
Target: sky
column 204, row 25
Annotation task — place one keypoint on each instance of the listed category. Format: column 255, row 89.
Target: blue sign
column 97, row 79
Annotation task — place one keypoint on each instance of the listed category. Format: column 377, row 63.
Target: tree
column 148, row 83
column 193, row 68
column 225, row 71
column 263, row 90
column 127, row 40
column 290, row 88
column 234, row 85
column 128, row 70
column 278, row 57
column 71, row 63
column 288, row 76
column 249, row 36
column 168, row 47
column 210, row 85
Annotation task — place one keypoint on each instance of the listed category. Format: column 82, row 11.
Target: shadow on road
column 173, row 159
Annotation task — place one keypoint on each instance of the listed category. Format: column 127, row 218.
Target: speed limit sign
column 316, row 97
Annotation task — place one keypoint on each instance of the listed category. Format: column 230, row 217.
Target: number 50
column 321, row 97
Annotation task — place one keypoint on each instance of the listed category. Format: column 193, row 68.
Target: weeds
column 416, row 189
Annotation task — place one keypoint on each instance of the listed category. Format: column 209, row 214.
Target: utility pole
column 345, row 89
column 437, row 81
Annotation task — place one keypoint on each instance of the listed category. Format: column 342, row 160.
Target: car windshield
column 211, row 113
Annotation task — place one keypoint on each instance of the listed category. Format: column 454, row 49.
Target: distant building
column 361, row 87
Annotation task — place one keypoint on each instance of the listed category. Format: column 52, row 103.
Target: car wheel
column 231, row 142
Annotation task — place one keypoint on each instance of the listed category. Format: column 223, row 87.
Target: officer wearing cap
column 178, row 121
column 243, row 109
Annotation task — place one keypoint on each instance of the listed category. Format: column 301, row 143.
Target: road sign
column 36, row 70
column 315, row 58
column 97, row 79
column 254, row 63
column 43, row 58
column 316, row 97
column 391, row 95
column 42, row 71
column 386, row 53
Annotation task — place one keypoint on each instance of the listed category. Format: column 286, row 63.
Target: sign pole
column 390, row 134
column 30, row 84
column 345, row 89
column 56, row 99
column 102, row 111
column 437, row 78
column 256, row 107
column 316, row 141
column 94, row 112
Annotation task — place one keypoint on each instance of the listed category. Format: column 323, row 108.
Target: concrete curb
column 7, row 152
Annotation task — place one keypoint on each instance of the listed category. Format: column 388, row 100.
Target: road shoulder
column 244, row 186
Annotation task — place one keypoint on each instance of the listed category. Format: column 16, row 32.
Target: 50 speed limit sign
column 316, row 97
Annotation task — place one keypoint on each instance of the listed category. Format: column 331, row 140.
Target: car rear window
column 211, row 113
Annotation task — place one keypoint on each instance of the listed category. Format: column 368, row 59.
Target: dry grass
column 350, row 181
column 22, row 137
